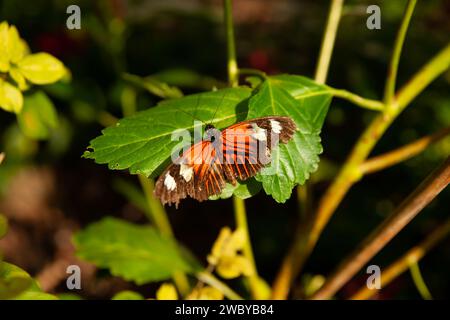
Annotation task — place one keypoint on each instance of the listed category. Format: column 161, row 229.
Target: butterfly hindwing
column 237, row 153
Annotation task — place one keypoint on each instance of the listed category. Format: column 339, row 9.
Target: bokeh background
column 47, row 191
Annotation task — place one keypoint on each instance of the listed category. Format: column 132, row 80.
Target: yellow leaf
column 4, row 45
column 18, row 78
column 16, row 49
column 41, row 68
column 233, row 267
column 167, row 291
column 205, row 293
column 11, row 98
column 219, row 244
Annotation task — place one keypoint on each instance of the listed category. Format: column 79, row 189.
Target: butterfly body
column 234, row 154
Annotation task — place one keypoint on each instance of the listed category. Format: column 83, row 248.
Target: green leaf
column 11, row 98
column 38, row 116
column 41, row 68
column 127, row 295
column 142, row 142
column 136, row 253
column 244, row 190
column 13, row 280
column 3, row 225
column 154, row 86
column 307, row 104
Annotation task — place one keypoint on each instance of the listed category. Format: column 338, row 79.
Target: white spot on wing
column 275, row 125
column 170, row 182
column 186, row 172
column 259, row 134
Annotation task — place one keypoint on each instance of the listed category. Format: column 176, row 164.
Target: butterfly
column 234, row 154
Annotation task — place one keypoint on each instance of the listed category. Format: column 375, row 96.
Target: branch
column 208, row 278
column 393, row 67
column 328, row 40
column 413, row 255
column 358, row 100
column 376, row 241
column 233, row 73
column 406, row 152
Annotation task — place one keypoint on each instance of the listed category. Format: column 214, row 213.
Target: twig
column 328, row 40
column 406, row 152
column 393, row 67
column 232, row 67
column 415, row 254
column 241, row 222
column 208, row 278
column 358, row 100
column 409, row 208
column 419, row 282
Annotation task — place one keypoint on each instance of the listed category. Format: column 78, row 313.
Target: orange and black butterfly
column 235, row 153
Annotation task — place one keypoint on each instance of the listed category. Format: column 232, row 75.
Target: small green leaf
column 11, row 99
column 13, row 280
column 41, row 68
column 127, row 295
column 38, row 116
column 307, row 104
column 142, row 142
column 136, row 253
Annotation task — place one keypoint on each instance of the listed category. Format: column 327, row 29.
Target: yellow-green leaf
column 11, row 98
column 38, row 116
column 4, row 44
column 16, row 47
column 41, row 68
column 18, row 78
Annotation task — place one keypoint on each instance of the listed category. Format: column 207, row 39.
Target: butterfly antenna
column 217, row 108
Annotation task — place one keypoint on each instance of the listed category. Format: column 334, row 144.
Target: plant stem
column 406, row 152
column 358, row 100
column 241, row 223
column 156, row 212
column 419, row 282
column 395, row 59
column 208, row 278
column 233, row 75
column 390, row 227
column 415, row 254
column 328, row 40
column 439, row 64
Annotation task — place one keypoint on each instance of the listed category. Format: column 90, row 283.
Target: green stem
column 241, row 223
column 393, row 67
column 357, row 100
column 439, row 64
column 328, row 40
column 419, row 282
column 233, row 75
column 208, row 278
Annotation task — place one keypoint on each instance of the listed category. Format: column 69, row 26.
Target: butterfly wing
column 238, row 153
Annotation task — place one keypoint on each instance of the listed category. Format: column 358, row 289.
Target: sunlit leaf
column 41, row 68
column 142, row 142
column 13, row 280
column 127, row 295
column 307, row 104
column 11, row 99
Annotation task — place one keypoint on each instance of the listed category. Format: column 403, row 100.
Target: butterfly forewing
column 237, row 153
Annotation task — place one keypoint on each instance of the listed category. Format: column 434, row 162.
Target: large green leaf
column 307, row 104
column 136, row 253
column 143, row 141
